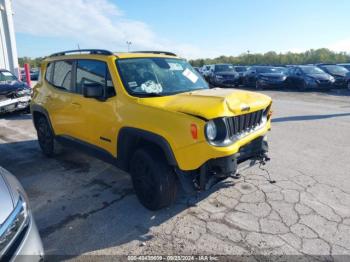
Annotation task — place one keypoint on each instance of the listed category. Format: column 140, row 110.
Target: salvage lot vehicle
column 265, row 76
column 18, row 233
column 306, row 77
column 241, row 71
column 223, row 75
column 340, row 74
column 117, row 103
column 14, row 94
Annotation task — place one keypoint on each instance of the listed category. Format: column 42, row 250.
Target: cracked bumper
column 14, row 104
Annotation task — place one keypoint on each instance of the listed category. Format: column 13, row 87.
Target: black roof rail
column 156, row 52
column 89, row 51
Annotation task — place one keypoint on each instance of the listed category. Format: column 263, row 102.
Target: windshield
column 7, row 76
column 334, row 69
column 240, row 69
column 159, row 76
column 223, row 68
column 312, row 70
column 267, row 69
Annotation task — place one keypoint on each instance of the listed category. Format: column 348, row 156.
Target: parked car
column 14, row 94
column 18, row 233
column 340, row 74
column 262, row 77
column 306, row 77
column 168, row 125
column 34, row 75
column 206, row 71
column 223, row 75
column 240, row 70
column 346, row 65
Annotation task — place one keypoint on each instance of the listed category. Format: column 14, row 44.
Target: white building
column 8, row 48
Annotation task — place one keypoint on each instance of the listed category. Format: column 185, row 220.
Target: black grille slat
column 243, row 123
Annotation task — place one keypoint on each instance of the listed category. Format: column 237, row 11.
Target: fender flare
column 130, row 134
column 37, row 108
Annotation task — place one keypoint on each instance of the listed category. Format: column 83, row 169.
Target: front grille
column 244, row 123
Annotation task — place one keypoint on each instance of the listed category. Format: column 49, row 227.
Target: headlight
column 216, row 132
column 14, row 224
column 219, row 77
column 332, row 79
column 211, row 131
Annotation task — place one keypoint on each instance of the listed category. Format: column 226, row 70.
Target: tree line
column 33, row 62
column 312, row 56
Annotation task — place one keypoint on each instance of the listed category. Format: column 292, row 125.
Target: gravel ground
column 84, row 206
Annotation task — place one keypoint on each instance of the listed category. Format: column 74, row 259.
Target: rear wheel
column 46, row 138
column 258, row 85
column 153, row 179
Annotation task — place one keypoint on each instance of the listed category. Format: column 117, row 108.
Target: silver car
column 19, row 237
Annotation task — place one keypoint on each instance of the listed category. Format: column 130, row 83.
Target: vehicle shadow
column 19, row 115
column 84, row 205
column 307, row 117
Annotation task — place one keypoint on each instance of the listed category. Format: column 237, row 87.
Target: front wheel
column 153, row 179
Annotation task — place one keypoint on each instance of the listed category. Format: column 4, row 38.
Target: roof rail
column 80, row 51
column 156, row 52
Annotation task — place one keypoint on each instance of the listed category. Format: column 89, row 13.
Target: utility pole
column 8, row 47
column 129, row 43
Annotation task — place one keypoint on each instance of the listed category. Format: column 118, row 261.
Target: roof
column 87, row 53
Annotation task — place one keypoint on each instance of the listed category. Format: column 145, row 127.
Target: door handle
column 76, row 105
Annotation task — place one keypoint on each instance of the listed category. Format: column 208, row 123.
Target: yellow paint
column 170, row 117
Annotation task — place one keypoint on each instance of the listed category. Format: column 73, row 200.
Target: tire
column 46, row 138
column 349, row 85
column 154, row 181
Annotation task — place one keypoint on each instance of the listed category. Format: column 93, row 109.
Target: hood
column 10, row 86
column 210, row 103
column 319, row 76
column 6, row 202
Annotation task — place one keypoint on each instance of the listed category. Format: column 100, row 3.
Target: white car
column 19, row 236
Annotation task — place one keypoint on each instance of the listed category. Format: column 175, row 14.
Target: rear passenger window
column 93, row 71
column 63, row 75
column 49, row 70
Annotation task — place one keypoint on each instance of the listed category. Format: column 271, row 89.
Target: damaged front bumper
column 218, row 169
column 14, row 104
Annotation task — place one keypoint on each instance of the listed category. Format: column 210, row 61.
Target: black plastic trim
column 129, row 135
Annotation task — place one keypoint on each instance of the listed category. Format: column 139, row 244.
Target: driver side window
column 94, row 72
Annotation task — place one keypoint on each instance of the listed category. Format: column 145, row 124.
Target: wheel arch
column 130, row 139
column 38, row 111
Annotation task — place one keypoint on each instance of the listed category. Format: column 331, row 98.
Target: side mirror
column 93, row 90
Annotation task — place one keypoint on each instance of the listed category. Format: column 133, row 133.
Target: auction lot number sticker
column 172, row 258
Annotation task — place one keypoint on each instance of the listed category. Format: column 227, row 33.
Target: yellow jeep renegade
column 153, row 114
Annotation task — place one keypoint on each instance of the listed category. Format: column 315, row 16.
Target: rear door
column 61, row 98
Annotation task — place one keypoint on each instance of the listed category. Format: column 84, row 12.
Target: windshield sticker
column 6, row 73
column 151, row 87
column 190, row 75
column 175, row 67
column 132, row 84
